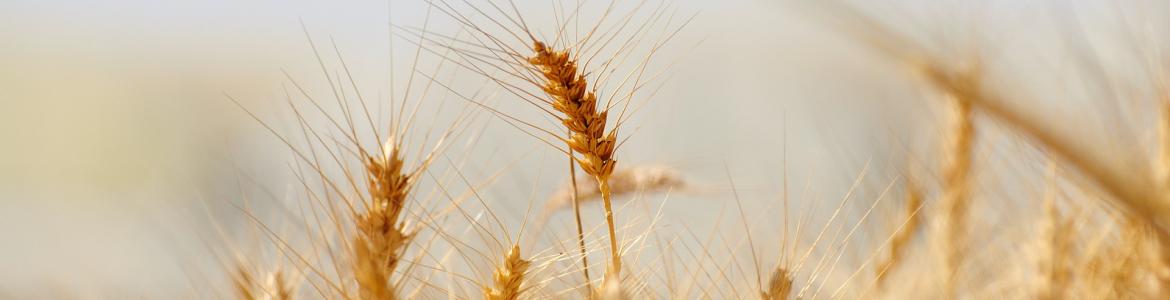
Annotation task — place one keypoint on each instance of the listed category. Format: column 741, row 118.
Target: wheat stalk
column 574, row 197
column 573, row 98
column 381, row 236
column 509, row 277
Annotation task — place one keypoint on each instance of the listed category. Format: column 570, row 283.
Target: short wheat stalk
column 573, row 98
column 508, row 277
column 381, row 236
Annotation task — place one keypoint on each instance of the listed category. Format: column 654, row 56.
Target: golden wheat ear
column 572, row 97
column 509, row 277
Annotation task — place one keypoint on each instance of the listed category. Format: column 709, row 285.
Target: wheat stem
column 571, row 96
column 614, row 250
column 577, row 217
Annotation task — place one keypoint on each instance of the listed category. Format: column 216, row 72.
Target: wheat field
column 646, row 149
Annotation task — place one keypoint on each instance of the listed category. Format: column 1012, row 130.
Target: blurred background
column 120, row 153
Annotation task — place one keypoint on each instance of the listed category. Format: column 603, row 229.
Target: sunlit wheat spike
column 573, row 98
column 381, row 235
column 509, row 277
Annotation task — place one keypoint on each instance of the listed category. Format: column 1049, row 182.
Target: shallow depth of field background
column 118, row 148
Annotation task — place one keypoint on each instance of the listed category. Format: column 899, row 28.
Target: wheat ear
column 573, row 98
column 382, row 236
column 508, row 277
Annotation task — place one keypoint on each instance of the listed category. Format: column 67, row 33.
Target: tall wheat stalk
column 575, row 199
column 574, row 99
